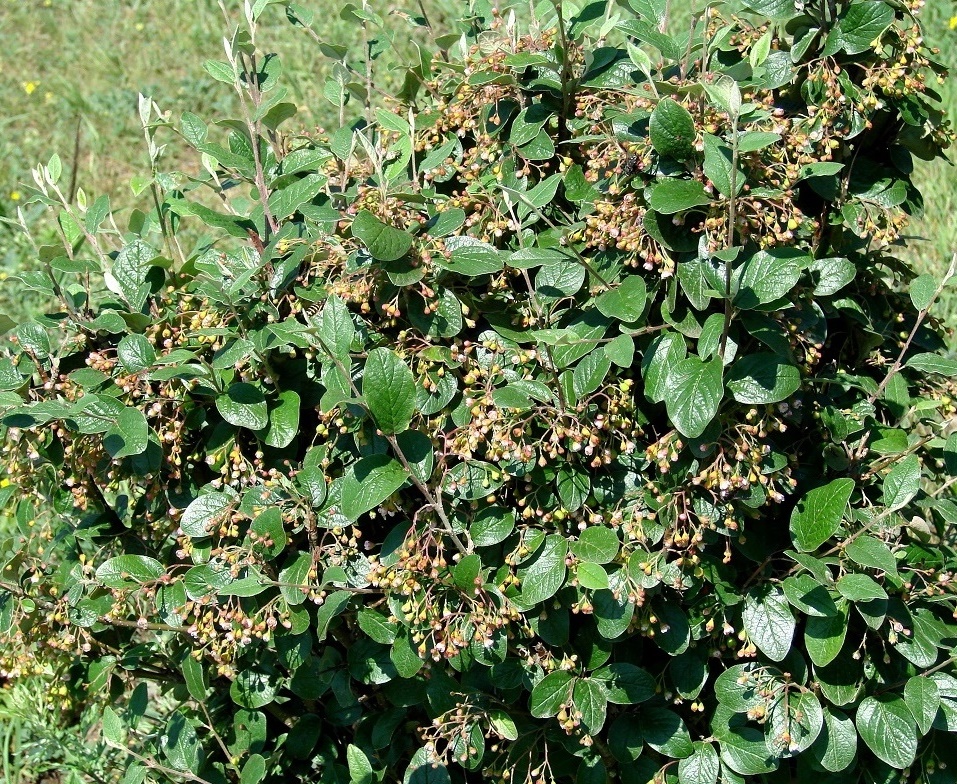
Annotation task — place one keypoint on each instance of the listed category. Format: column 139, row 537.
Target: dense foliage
column 573, row 420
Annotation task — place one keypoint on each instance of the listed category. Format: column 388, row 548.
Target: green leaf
column 283, row 421
column 563, row 279
column 503, row 724
column 902, row 483
column 195, row 676
column 744, row 751
column 824, row 636
column 671, row 196
column 591, row 576
column 135, row 353
column 860, row 588
column 621, row 351
column 808, row 595
column 203, row 513
column 330, row 609
column 286, row 202
column 589, row 373
column 491, row 526
column 625, row 684
column 765, row 277
column 471, row 257
column 836, row 746
column 127, row 276
column 863, row 23
column 254, row 771
column 794, row 724
column 180, row 744
column 336, row 329
column 376, row 626
column 360, row 769
column 550, row 694
column 389, row 390
column 369, row 483
column 871, row 552
column 922, row 698
column 718, row 166
column 253, row 688
column 124, row 571
column 887, row 727
column 933, row 363
column 589, row 697
column 693, row 393
column 627, row 302
column 763, row 378
column 573, row 486
column 244, row 405
column 672, row 130
column 818, row 515
column 130, row 435
column 545, row 573
column 662, row 356
column 596, row 544
column 833, row 275
column 665, row 732
column 384, row 242
column 768, row 621
column 702, row 767
column 922, row 290
column 725, row 93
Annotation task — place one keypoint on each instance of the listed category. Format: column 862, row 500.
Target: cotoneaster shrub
column 572, row 421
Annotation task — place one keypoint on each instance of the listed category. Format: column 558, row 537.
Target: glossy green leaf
column 836, row 746
column 768, row 621
column 693, row 392
column 888, row 729
column 763, row 378
column 384, row 242
column 545, row 573
column 388, row 387
column 671, row 196
column 818, row 515
column 672, row 130
column 244, row 405
column 369, row 483
column 550, row 694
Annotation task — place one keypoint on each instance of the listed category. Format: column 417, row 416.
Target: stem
column 729, row 241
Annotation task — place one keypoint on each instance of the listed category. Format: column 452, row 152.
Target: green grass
column 74, row 67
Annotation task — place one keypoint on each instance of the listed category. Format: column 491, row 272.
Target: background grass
column 74, row 67
column 72, row 71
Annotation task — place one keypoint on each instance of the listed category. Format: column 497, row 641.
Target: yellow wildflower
column 29, row 87
column 953, row 23
column 15, row 195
